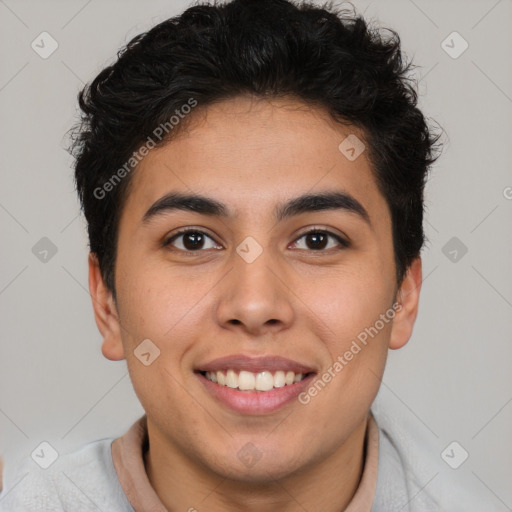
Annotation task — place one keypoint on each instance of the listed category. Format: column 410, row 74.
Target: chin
column 253, row 466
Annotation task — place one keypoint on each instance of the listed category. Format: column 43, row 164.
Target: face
column 263, row 282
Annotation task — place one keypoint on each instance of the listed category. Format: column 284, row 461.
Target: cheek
column 160, row 305
column 350, row 325
column 351, row 303
column 168, row 309
column 354, row 320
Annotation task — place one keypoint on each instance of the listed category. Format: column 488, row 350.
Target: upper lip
column 254, row 364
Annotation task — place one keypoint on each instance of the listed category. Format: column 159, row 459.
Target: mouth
column 262, row 382
column 254, row 386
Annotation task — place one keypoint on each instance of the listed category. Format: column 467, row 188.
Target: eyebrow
column 302, row 204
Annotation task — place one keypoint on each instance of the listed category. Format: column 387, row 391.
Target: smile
column 251, row 385
column 248, row 381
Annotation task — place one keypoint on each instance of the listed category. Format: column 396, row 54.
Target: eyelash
column 343, row 243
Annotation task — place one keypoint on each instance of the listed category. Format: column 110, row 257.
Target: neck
column 327, row 485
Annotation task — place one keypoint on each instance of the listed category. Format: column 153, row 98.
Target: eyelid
column 190, row 229
column 341, row 238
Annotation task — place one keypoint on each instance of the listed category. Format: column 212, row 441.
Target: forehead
column 252, row 153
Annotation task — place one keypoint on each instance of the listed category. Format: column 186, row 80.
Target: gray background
column 451, row 382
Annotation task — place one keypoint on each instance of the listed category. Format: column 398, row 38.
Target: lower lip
column 255, row 402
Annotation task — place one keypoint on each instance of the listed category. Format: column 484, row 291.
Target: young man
column 252, row 176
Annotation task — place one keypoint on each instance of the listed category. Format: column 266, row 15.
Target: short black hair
column 267, row 48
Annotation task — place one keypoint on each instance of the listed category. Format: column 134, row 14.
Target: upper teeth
column 248, row 381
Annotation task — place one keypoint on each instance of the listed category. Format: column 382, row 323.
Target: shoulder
column 398, row 484
column 84, row 480
column 412, row 475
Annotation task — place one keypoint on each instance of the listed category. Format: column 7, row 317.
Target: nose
column 255, row 297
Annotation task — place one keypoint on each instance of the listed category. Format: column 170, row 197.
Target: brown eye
column 318, row 240
column 191, row 240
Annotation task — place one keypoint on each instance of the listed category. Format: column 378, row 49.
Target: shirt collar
column 128, row 458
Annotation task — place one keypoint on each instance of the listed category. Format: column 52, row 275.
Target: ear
column 105, row 312
column 408, row 297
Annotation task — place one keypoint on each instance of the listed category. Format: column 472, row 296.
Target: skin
column 295, row 301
